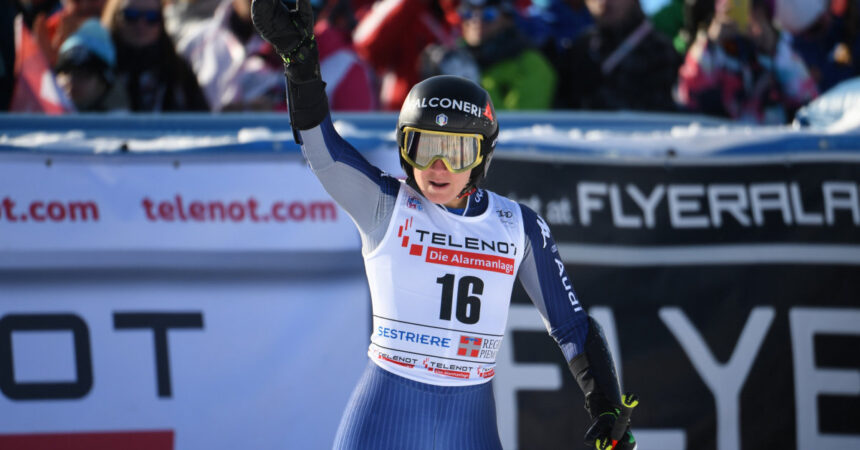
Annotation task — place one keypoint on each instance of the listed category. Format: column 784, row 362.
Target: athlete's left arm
column 580, row 338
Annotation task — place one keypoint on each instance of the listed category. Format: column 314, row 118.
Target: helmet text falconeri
column 448, row 103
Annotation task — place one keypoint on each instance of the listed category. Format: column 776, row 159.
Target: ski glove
column 610, row 430
column 291, row 32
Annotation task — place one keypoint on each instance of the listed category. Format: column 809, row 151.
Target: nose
column 438, row 165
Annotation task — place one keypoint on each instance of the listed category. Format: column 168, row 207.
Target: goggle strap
column 467, row 191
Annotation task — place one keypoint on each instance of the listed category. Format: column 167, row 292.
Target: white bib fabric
column 441, row 286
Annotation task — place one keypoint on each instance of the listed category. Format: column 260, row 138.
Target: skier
column 441, row 256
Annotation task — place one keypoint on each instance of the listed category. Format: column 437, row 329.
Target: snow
column 582, row 134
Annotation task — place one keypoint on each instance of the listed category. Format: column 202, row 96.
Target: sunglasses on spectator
column 151, row 16
column 487, row 13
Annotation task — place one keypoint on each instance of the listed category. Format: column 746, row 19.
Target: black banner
column 735, row 292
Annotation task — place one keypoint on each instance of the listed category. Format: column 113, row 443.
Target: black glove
column 291, row 33
column 611, row 429
column 594, row 371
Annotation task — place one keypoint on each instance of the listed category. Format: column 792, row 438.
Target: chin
column 440, row 198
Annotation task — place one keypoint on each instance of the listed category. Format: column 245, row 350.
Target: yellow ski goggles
column 458, row 151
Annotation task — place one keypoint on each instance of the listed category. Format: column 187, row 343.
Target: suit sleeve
column 547, row 283
column 365, row 192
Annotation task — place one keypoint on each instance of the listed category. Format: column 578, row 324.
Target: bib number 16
column 468, row 305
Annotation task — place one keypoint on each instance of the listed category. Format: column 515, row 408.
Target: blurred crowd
column 755, row 61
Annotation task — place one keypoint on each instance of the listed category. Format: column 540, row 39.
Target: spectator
column 54, row 30
column 828, row 39
column 391, row 37
column 680, row 21
column 350, row 82
column 553, row 25
column 741, row 68
column 234, row 66
column 34, row 87
column 622, row 63
column 182, row 14
column 361, row 7
column 31, row 10
column 156, row 79
column 669, row 20
column 85, row 70
column 516, row 75
column 33, row 13
column 440, row 60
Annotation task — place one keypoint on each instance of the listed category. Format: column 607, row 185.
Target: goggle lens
column 459, row 152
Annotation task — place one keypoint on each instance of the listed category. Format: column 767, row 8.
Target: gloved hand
column 291, row 32
column 610, row 430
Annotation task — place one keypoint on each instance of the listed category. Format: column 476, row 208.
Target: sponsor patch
column 488, row 111
column 448, row 103
column 486, row 373
column 506, row 216
column 469, row 346
column 453, row 371
column 414, row 203
column 471, row 260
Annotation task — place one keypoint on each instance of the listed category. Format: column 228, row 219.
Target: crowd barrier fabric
column 178, row 301
column 729, row 287
column 185, row 282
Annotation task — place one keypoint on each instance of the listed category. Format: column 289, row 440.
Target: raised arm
column 580, row 338
column 360, row 188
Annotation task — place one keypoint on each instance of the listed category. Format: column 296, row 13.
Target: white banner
column 185, row 362
column 163, row 203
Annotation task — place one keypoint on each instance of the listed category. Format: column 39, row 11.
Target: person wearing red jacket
column 350, row 86
column 56, row 28
column 392, row 35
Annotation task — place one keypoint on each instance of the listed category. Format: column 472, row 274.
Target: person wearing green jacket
column 516, row 75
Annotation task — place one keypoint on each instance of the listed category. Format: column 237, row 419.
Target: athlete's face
column 441, row 186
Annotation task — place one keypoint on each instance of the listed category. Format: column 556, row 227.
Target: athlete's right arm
column 363, row 190
column 359, row 187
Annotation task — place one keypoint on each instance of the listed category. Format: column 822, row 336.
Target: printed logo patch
column 448, row 370
column 414, row 203
column 415, row 249
column 441, row 120
column 470, row 260
column 469, row 346
column 544, row 229
column 448, row 103
column 479, row 196
column 506, row 216
column 446, row 250
column 488, row 111
column 486, row 373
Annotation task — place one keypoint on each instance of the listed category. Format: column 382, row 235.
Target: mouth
column 438, row 184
